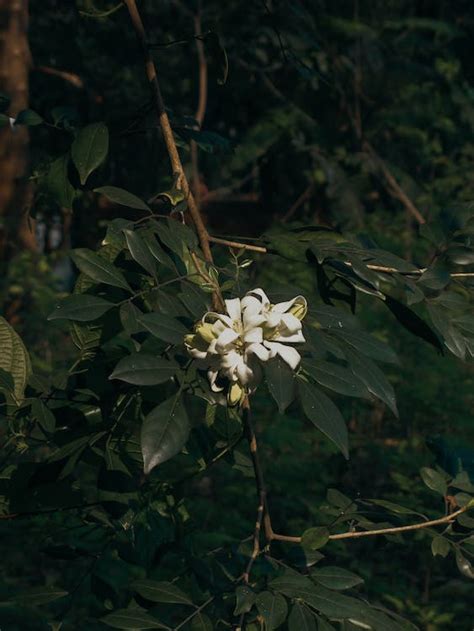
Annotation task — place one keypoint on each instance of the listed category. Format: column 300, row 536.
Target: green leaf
column 291, row 584
column 367, row 345
column 164, row 433
column 140, row 251
column 244, row 599
column 161, row 592
column 281, row 382
column 322, row 412
column 370, row 374
column 201, row 622
column 131, row 619
column 323, row 625
column 164, row 328
column 43, row 415
column 434, row 480
column 40, row 595
column 335, row 605
column 440, row 546
column 412, row 322
column 98, row 269
column 89, row 149
column 464, row 565
column 28, row 117
column 435, row 277
column 81, row 307
column 123, row 197
column 335, row 378
column 272, row 608
column 315, row 538
column 158, row 252
column 336, row 577
column 129, row 316
column 6, row 381
column 58, row 184
column 143, row 369
column 394, row 508
column 301, row 619
column 14, row 358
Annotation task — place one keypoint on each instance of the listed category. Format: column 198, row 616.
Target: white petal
column 197, row 354
column 252, row 320
column 273, row 319
column 213, row 317
column 291, row 322
column 260, row 294
column 233, row 308
column 212, row 376
column 253, row 335
column 227, row 337
column 244, row 373
column 283, row 307
column 289, row 354
column 296, row 338
column 251, row 305
column 259, row 351
column 229, row 363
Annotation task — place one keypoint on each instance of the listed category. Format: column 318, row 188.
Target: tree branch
column 393, row 186
column 376, row 268
column 447, row 519
column 168, row 137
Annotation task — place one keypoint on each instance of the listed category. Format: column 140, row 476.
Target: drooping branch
column 238, row 245
column 441, row 521
column 164, row 122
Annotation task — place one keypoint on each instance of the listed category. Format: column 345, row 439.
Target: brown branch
column 168, row 137
column 447, row 519
column 376, row 268
column 305, row 195
column 393, row 186
column 202, row 103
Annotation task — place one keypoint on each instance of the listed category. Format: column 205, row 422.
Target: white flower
column 232, row 346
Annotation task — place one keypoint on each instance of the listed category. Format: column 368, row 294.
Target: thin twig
column 195, row 613
column 447, row 519
column 376, row 268
column 168, row 137
column 393, row 186
column 202, row 103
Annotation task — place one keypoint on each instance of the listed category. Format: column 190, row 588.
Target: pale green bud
column 235, row 394
column 299, row 309
column 205, row 331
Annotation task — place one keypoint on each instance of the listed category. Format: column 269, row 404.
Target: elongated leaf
column 335, row 378
column 140, row 251
column 292, row 584
column 272, row 608
column 123, row 197
column 43, row 415
column 90, row 149
column 412, row 322
column 164, row 433
column 6, row 381
column 58, row 184
column 301, row 619
column 322, row 412
column 40, row 595
column 14, row 358
column 81, row 307
column 367, row 345
column 131, row 619
column 98, row 268
column 315, row 538
column 440, row 546
column 335, row 605
column 143, row 369
column 281, row 382
column 244, row 599
column 434, row 480
column 336, row 577
column 370, row 374
column 159, row 253
column 164, row 328
column 201, row 622
column 161, row 592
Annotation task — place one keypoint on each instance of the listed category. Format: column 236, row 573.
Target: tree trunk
column 16, row 229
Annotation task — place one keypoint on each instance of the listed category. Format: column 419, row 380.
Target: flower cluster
column 232, row 346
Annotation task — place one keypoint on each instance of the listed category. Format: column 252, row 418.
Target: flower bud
column 235, row 394
column 205, row 331
column 300, row 308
